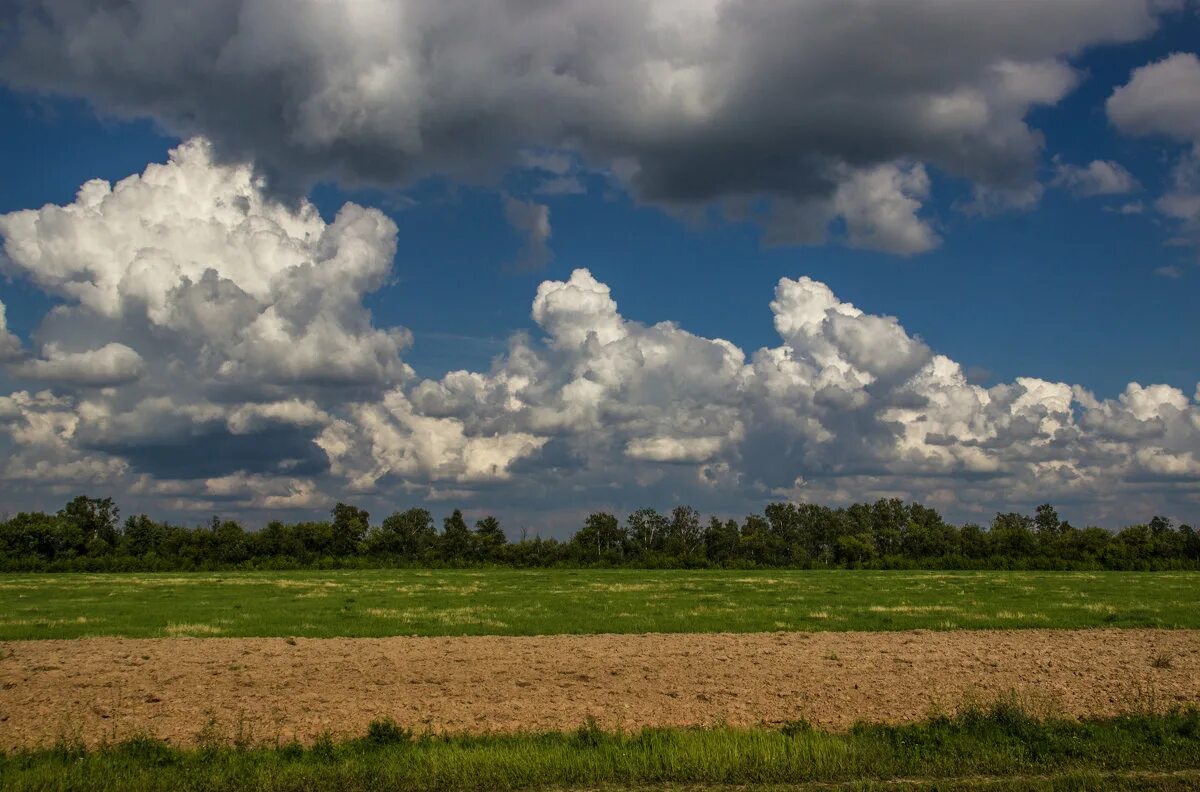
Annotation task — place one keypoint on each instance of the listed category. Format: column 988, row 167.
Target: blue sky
column 1066, row 288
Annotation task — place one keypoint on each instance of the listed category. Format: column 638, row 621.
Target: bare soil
column 267, row 689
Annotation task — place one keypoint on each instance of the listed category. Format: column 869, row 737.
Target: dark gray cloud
column 216, row 452
column 688, row 101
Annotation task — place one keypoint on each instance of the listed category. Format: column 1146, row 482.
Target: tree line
column 87, row 534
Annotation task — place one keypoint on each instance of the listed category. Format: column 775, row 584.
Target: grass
column 999, row 747
column 996, row 748
column 517, row 602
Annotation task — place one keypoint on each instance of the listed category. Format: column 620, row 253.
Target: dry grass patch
column 305, row 584
column 622, row 587
column 49, row 622
column 192, row 630
column 1020, row 616
column 447, row 616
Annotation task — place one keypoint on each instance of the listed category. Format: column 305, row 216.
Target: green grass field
column 996, row 748
column 513, row 602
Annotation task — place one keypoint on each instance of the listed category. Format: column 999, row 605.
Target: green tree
column 1136, row 542
column 1191, row 542
column 1046, row 522
column 141, row 535
column 34, row 535
column 350, row 526
column 758, row 543
column 456, row 542
column 647, row 531
column 721, row 540
column 489, row 536
column 408, row 534
column 790, row 533
column 601, row 537
column 854, row 549
column 1165, row 541
column 889, row 517
column 1012, row 535
column 1049, row 531
column 974, row 541
column 92, row 523
column 927, row 535
column 279, row 539
column 685, row 536
column 1091, row 542
column 231, row 546
column 315, row 539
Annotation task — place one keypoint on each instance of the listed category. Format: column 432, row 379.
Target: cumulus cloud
column 391, row 439
column 213, row 353
column 849, row 405
column 725, row 102
column 1181, row 202
column 204, row 326
column 194, row 255
column 109, row 365
column 532, row 221
column 1163, row 98
column 1099, row 177
column 43, row 453
column 10, row 345
column 880, row 208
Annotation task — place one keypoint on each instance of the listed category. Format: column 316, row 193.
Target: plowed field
column 265, row 689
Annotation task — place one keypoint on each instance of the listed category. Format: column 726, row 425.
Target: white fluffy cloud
column 391, row 439
column 1163, row 98
column 213, row 352
column 109, row 365
column 878, row 206
column 241, row 288
column 1098, row 177
column 10, row 345
column 1181, row 202
column 849, row 405
column 203, row 324
column 823, row 108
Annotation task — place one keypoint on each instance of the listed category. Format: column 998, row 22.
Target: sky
column 539, row 259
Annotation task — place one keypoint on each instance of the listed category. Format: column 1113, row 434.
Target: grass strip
column 377, row 603
column 996, row 747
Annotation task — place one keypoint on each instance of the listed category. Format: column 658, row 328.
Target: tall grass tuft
column 1002, row 740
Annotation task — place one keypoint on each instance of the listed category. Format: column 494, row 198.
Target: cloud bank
column 212, row 352
column 803, row 116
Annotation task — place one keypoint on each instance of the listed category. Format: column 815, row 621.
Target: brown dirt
column 273, row 688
